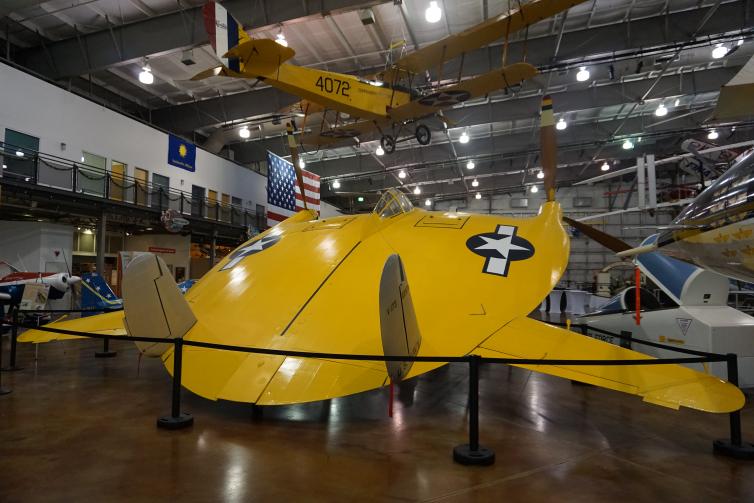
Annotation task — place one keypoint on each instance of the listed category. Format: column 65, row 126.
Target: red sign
column 158, row 249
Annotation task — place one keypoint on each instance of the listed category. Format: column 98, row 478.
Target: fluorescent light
column 583, row 74
column 336, row 184
column 719, row 51
column 380, row 151
column 661, row 111
column 19, row 153
column 88, row 231
column 712, row 135
column 427, row 202
column 401, row 174
column 605, row 167
column 281, row 40
column 561, row 125
column 475, row 183
column 478, row 196
column 541, row 175
column 470, row 165
column 145, row 76
column 628, row 145
column 244, row 132
column 534, row 189
column 360, row 199
column 27, row 179
column 149, row 228
column 417, row 190
column 377, row 83
column 301, row 163
column 433, row 13
column 464, row 137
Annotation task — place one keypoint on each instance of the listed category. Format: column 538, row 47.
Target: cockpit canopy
column 393, row 202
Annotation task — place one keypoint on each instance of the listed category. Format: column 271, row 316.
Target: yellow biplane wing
column 433, row 55
column 312, row 285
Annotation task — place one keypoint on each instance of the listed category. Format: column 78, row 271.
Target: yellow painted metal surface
column 314, row 287
column 667, row 385
column 108, row 323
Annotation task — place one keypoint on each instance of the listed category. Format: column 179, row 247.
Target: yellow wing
column 108, row 324
column 483, row 34
column 466, row 90
column 668, row 385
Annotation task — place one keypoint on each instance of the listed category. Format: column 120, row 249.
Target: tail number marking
column 334, row 86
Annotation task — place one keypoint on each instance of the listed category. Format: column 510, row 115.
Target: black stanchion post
column 735, row 447
column 3, row 391
column 473, row 453
column 13, row 341
column 105, row 353
column 176, row 419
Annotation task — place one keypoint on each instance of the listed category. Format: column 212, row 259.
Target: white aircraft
column 691, row 313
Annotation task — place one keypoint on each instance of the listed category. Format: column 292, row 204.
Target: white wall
column 181, row 245
column 31, row 246
column 55, row 116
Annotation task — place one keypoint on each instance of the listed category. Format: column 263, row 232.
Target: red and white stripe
column 275, row 215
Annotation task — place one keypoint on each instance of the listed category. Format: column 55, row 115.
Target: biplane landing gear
column 423, row 135
column 388, row 143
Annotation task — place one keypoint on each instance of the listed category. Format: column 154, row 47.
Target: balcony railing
column 36, row 168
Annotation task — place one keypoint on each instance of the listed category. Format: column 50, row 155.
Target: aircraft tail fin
column 153, row 305
column 225, row 33
column 97, row 294
column 400, row 331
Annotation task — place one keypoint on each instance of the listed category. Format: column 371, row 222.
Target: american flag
column 283, row 193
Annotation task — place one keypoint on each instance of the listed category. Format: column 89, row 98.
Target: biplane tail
column 225, row 33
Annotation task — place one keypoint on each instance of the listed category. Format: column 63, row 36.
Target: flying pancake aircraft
column 386, row 102
column 398, row 281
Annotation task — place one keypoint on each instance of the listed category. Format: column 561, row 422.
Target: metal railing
column 45, row 170
column 472, row 453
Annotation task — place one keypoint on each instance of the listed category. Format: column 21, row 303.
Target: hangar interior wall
column 57, row 117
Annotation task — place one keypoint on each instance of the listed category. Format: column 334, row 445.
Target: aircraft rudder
column 224, row 32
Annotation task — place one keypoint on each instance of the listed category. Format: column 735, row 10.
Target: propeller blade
column 548, row 147
column 294, row 159
column 606, row 240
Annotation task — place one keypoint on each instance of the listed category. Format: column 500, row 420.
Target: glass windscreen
column 393, row 202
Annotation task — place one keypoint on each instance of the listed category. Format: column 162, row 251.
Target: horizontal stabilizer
column 260, row 55
column 672, row 386
column 106, row 324
column 153, row 304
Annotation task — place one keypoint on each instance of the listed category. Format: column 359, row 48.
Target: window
column 141, row 186
column 197, row 201
column 161, row 189
column 19, row 166
column 117, row 180
column 92, row 171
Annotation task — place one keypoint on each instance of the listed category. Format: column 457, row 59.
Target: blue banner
column 181, row 153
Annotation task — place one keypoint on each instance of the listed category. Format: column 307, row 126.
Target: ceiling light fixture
column 541, row 174
column 605, row 167
column 712, row 135
column 534, row 189
column 433, row 13
column 301, row 163
column 427, row 202
column 561, row 125
column 5, row 166
column 478, row 195
column 244, row 132
column 628, row 145
column 677, row 102
column 417, row 190
column 464, row 137
column 661, row 111
column 19, row 153
column 360, row 199
column 336, row 184
column 719, row 51
column 475, row 183
column 583, row 74
column 470, row 165
column 281, row 39
column 380, row 151
column 145, row 76
column 401, row 174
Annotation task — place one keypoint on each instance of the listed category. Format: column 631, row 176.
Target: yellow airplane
column 388, row 101
column 397, row 281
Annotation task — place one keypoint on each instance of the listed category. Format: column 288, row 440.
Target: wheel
column 423, row 135
column 388, row 143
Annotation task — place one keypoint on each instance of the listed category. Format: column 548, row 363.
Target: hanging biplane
column 388, row 102
column 398, row 281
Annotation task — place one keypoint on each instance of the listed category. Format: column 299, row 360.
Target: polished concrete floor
column 81, row 429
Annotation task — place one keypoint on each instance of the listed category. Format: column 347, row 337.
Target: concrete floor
column 76, row 428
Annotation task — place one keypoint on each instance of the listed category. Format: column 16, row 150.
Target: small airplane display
column 387, row 102
column 13, row 284
column 399, row 281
